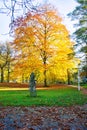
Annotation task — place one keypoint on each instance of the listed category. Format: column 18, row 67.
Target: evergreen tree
column 80, row 35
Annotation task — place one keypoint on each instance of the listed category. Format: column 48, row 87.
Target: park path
column 43, row 118
column 83, row 90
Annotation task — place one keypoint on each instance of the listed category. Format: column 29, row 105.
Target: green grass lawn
column 84, row 85
column 55, row 97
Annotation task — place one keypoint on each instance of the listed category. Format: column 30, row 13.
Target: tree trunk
column 8, row 76
column 68, row 76
column 2, row 75
column 45, row 79
column 86, row 66
column 22, row 78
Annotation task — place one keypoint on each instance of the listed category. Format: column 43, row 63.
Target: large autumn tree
column 42, row 42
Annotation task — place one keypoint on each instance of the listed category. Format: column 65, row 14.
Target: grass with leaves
column 50, row 97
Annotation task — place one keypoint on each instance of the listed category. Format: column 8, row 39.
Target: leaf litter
column 43, row 118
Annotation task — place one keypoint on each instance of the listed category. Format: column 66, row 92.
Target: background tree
column 80, row 35
column 5, row 60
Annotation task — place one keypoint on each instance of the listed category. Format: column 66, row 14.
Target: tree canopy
column 43, row 45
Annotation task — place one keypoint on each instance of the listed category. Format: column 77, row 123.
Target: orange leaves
column 42, row 40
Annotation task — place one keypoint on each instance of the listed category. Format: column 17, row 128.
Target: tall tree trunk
column 68, row 76
column 2, row 75
column 45, row 77
column 45, row 54
column 8, row 75
column 86, row 66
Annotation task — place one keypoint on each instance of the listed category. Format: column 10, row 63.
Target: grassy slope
column 57, row 97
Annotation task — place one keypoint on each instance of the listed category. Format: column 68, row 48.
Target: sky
column 63, row 6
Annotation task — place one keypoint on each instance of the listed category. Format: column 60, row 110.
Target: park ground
column 58, row 107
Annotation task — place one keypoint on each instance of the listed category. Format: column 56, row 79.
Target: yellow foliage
column 42, row 43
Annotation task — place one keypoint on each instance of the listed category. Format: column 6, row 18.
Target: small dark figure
column 32, row 85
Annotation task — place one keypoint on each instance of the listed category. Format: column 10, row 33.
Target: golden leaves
column 43, row 40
